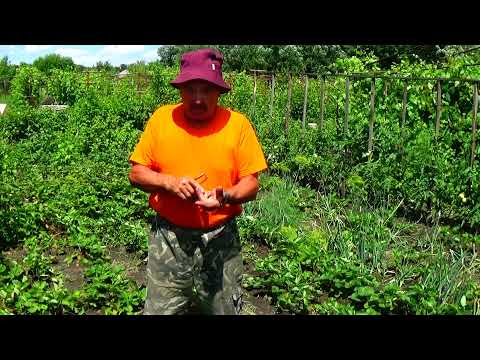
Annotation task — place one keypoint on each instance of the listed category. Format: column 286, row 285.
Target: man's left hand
column 211, row 200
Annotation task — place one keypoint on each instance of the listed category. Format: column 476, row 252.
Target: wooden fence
column 373, row 77
column 142, row 81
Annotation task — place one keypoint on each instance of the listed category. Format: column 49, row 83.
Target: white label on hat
column 213, row 66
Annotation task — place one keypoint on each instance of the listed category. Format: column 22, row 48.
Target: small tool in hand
column 202, row 176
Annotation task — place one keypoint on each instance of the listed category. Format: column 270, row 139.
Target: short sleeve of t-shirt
column 142, row 154
column 251, row 159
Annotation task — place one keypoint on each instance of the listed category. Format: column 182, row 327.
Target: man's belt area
column 205, row 234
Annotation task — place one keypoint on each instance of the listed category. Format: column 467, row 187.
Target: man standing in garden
column 199, row 162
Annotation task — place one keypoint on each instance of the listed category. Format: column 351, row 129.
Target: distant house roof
column 123, row 73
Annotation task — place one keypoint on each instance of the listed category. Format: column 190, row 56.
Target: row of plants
column 431, row 174
column 327, row 256
column 65, row 198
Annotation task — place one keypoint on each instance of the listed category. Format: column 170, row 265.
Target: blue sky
column 86, row 55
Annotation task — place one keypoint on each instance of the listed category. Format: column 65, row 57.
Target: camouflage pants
column 185, row 265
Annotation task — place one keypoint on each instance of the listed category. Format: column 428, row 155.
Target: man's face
column 200, row 99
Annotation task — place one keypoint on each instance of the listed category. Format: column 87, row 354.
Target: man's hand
column 210, row 200
column 151, row 181
column 245, row 190
column 184, row 187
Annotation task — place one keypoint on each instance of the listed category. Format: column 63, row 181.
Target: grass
column 276, row 207
column 5, row 99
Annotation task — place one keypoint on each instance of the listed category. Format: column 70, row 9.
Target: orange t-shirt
column 225, row 151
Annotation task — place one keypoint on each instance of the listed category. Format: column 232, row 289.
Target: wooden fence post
column 289, row 99
column 322, row 101
column 474, row 122
column 372, row 120
column 272, row 96
column 385, row 88
column 404, row 112
column 347, row 97
column 337, row 116
column 254, row 92
column 439, row 107
column 305, row 100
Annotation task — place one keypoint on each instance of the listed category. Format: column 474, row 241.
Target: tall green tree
column 7, row 72
column 292, row 58
column 170, row 54
column 6, row 69
column 53, row 61
column 104, row 66
column 139, row 67
column 306, row 58
column 389, row 55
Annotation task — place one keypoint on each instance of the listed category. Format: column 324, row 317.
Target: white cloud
column 112, row 50
column 36, row 48
column 87, row 60
column 89, row 56
column 125, row 54
column 71, row 52
column 10, row 49
column 150, row 55
column 79, row 56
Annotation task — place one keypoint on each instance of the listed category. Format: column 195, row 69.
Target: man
column 199, row 162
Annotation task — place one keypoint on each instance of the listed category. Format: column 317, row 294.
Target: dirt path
column 256, row 305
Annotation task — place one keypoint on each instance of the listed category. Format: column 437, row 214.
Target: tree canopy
column 7, row 70
column 305, row 58
column 53, row 61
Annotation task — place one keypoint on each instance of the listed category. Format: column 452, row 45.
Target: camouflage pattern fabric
column 186, row 264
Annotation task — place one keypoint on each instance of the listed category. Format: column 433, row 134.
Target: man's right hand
column 184, row 187
column 151, row 181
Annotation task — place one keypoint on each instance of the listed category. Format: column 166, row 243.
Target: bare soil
column 255, row 302
column 16, row 254
column 73, row 273
column 135, row 267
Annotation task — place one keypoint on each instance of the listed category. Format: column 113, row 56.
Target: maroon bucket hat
column 202, row 64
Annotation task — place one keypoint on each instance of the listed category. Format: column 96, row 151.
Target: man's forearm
column 245, row 190
column 147, row 179
column 151, row 181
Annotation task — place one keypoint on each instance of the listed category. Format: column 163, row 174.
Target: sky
column 87, row 55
